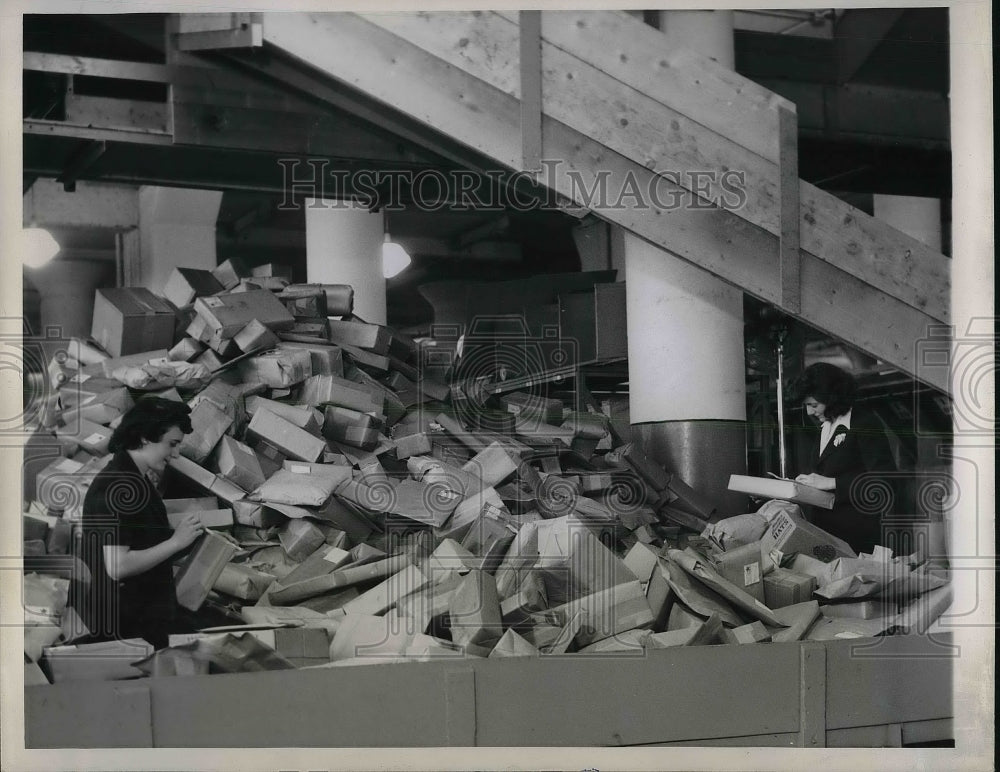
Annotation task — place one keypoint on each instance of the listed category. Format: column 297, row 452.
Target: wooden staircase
column 614, row 104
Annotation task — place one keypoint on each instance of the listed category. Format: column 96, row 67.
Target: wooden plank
column 788, row 254
column 460, row 705
column 107, row 112
column 881, row 255
column 83, row 131
column 530, row 40
column 630, row 122
column 88, row 714
column 427, row 89
column 98, row 68
column 210, row 31
column 287, row 131
column 637, row 54
column 875, row 252
column 812, row 695
column 912, row 675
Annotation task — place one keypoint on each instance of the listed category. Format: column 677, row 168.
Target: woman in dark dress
column 852, row 446
column 127, row 541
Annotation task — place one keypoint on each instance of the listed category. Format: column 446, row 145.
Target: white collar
column 829, row 428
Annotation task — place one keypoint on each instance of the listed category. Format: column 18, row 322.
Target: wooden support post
column 812, row 696
column 788, row 245
column 531, row 89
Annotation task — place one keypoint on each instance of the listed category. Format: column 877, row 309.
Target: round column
column 707, row 32
column 687, row 379
column 66, row 291
column 915, row 216
column 344, row 246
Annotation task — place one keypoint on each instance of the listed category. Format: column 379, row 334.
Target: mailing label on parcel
column 751, row 574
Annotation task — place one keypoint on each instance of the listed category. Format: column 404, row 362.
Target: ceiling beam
column 88, row 154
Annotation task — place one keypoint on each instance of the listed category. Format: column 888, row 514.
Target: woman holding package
column 852, row 445
column 127, row 543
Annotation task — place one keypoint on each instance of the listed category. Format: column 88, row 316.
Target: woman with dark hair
column 127, row 541
column 852, row 444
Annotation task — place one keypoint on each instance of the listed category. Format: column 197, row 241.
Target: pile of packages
column 358, row 512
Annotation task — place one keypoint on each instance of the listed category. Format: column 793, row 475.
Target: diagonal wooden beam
column 632, row 123
column 478, row 115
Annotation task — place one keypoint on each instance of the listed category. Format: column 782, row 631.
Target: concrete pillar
column 176, row 230
column 971, row 511
column 687, row 380
column 344, row 246
column 706, row 32
column 687, row 388
column 66, row 291
column 915, row 216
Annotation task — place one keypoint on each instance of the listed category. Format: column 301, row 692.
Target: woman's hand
column 187, row 531
column 818, row 481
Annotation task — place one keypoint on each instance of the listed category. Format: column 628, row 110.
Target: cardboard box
column 243, row 582
column 226, row 315
column 332, row 390
column 227, row 491
column 192, row 471
column 272, row 271
column 255, row 337
column 474, row 611
column 302, row 416
column 201, row 568
column 755, row 632
column 303, row 646
column 304, row 302
column 787, row 490
column 229, row 273
column 107, row 661
column 371, row 337
column 174, row 506
column 210, row 424
column 60, row 537
column 306, row 490
column 326, row 360
column 512, row 644
column 185, row 284
column 533, row 406
column 289, row 439
column 237, row 463
column 418, row 444
column 785, row 588
column 90, row 436
column 210, row 518
column 788, row 533
column 130, row 320
column 186, row 350
column 339, row 297
column 255, row 514
column 744, row 566
column 863, row 609
column 300, row 539
column 278, row 368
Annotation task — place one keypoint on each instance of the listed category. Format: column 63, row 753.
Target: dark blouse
column 123, row 508
column 862, row 496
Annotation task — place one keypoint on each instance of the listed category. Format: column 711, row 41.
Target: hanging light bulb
column 394, row 258
column 38, row 247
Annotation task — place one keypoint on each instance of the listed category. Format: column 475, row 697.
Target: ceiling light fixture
column 394, row 258
column 38, row 247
